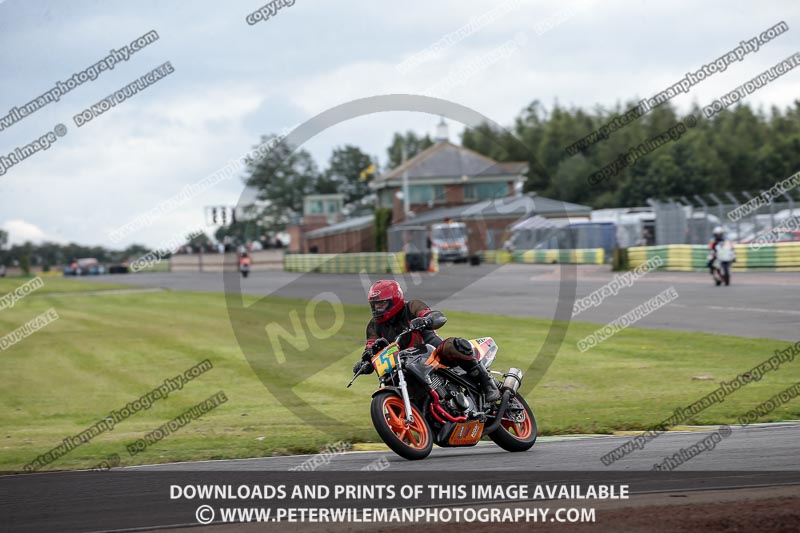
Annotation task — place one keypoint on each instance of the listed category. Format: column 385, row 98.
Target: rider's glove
column 378, row 345
column 421, row 323
column 363, row 367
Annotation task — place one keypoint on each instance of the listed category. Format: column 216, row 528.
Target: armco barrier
column 594, row 256
column 271, row 259
column 376, row 263
column 782, row 256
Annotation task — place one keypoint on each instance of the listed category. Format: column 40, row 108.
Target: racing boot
column 476, row 371
column 488, row 386
column 480, row 374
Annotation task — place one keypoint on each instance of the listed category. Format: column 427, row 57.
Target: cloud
column 20, row 231
column 233, row 83
column 133, row 157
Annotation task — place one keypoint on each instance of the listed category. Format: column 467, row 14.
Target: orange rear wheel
column 520, row 429
column 517, row 431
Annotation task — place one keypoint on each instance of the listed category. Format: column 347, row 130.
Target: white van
column 449, row 240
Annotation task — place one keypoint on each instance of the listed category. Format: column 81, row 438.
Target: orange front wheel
column 410, row 440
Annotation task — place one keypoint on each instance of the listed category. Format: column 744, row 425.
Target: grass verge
column 106, row 350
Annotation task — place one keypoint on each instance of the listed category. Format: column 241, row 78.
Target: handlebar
column 354, row 377
column 408, row 330
column 397, row 339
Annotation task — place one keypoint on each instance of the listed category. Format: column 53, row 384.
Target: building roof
column 346, row 225
column 516, row 207
column 447, row 160
column 538, row 222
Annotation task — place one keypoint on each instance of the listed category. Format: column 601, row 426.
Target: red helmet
column 385, row 299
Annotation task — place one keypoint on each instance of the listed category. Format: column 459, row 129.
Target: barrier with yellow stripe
column 378, row 263
column 594, row 256
column 784, row 256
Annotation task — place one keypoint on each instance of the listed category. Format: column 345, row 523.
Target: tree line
column 738, row 149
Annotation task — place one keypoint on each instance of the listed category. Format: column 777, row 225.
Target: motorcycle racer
column 244, row 264
column 391, row 314
column 720, row 256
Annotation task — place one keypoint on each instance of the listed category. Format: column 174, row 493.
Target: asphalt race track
column 766, row 447
column 752, row 461
column 761, row 305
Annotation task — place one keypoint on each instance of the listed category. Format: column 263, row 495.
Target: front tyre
column 517, row 431
column 411, row 441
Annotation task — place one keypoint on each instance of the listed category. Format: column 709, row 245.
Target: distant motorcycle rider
column 720, row 256
column 244, row 264
column 391, row 314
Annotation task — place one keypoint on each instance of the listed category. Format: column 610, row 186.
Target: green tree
column 282, row 178
column 25, row 264
column 132, row 252
column 198, row 241
column 413, row 143
column 738, row 149
column 381, row 223
column 344, row 173
column 241, row 231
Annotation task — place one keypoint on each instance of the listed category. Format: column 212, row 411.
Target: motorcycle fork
column 401, row 378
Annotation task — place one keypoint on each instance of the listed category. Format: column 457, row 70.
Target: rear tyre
column 412, row 441
column 517, row 431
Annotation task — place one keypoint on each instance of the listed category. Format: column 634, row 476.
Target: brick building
column 447, row 175
column 445, row 181
column 353, row 235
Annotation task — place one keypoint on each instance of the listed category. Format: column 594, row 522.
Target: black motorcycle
column 422, row 402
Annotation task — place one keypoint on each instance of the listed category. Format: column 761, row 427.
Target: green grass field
column 108, row 349
column 54, row 284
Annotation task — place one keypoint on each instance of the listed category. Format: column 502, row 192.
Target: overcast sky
column 233, row 82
